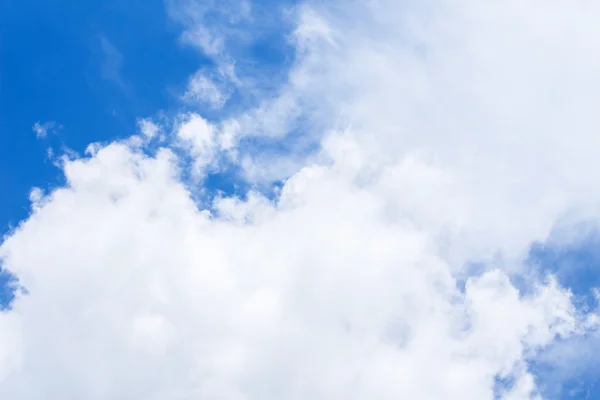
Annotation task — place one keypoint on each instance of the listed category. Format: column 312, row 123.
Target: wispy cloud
column 211, row 25
column 43, row 129
column 111, row 63
column 203, row 89
column 227, row 31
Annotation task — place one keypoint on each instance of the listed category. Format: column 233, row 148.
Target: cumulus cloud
column 148, row 128
column 447, row 133
column 199, row 137
column 318, row 295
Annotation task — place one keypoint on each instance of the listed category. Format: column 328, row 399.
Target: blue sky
column 88, row 71
column 93, row 67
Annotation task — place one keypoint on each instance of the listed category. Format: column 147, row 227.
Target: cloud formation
column 202, row 89
column 111, row 62
column 42, row 129
column 446, row 134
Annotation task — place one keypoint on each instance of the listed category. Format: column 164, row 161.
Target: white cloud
column 129, row 283
column 42, row 129
column 511, row 127
column 230, row 32
column 208, row 25
column 202, row 89
column 198, row 136
column 448, row 132
column 149, row 129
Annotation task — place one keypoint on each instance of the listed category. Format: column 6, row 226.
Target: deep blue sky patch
column 93, row 67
